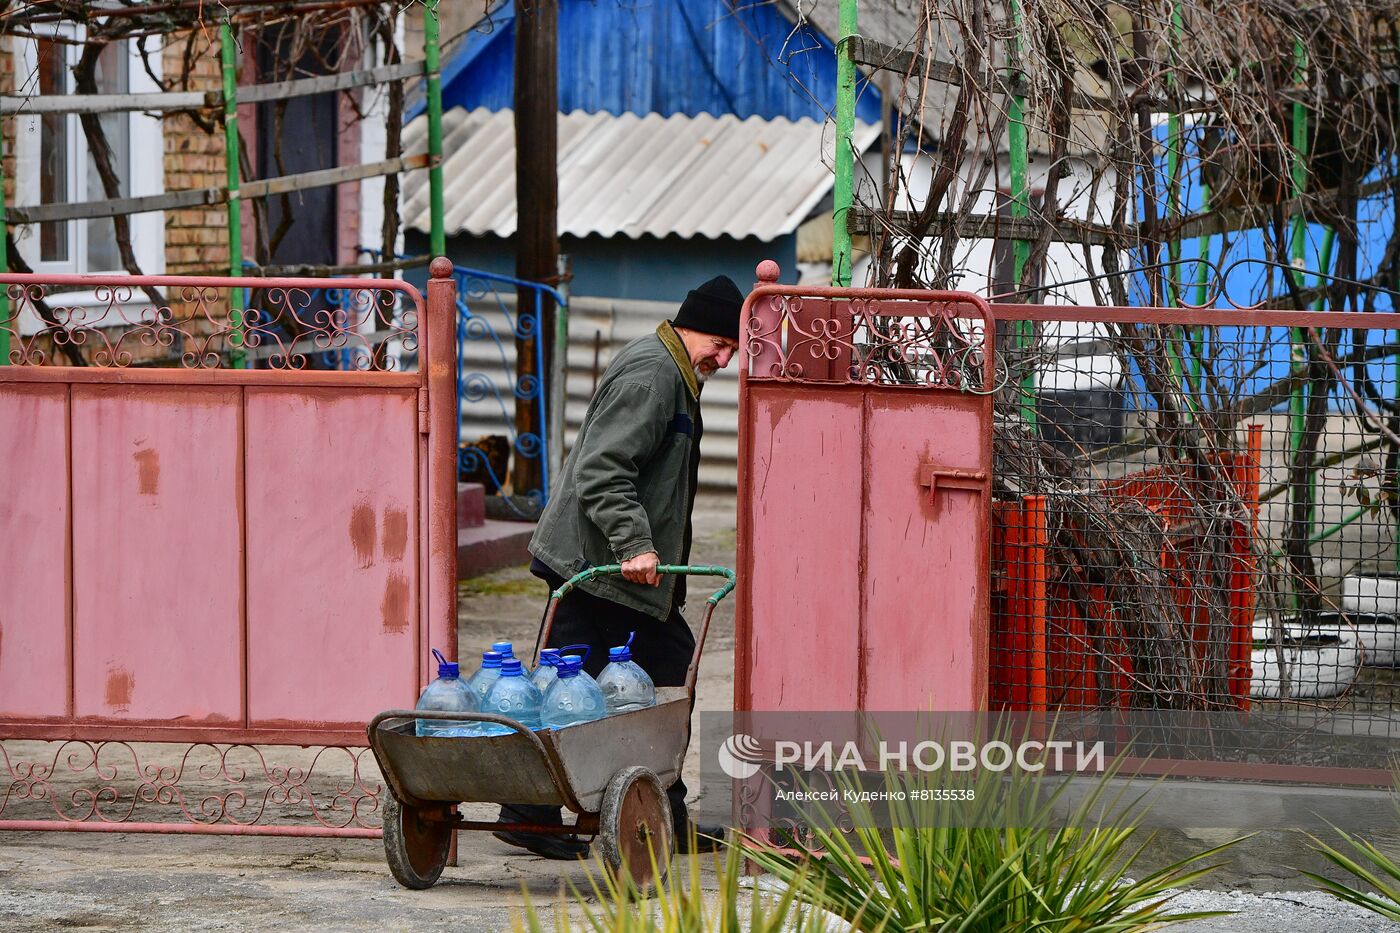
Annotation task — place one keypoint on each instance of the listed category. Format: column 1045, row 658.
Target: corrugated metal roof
column 661, row 56
column 635, row 175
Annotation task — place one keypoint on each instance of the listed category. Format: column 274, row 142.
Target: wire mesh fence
column 1198, row 511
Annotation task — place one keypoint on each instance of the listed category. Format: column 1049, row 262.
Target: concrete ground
column 64, row 881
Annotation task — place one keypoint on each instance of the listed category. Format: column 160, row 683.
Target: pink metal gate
column 864, row 487
column 225, row 558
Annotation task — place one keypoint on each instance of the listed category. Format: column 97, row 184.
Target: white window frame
column 147, row 174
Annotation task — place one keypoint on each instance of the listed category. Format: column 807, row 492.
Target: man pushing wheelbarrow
column 612, row 545
column 625, row 497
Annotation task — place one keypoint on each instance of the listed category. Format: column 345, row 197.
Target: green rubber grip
column 688, row 570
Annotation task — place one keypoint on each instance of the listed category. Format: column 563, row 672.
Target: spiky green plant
column 1363, row 861
column 679, row 905
column 997, row 862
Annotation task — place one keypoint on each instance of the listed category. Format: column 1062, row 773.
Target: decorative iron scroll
column 284, row 328
column 938, row 343
column 205, row 784
column 491, row 385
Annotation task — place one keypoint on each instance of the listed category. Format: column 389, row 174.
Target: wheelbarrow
column 612, row 773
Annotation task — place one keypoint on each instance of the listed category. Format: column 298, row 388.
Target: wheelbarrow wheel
column 415, row 848
column 635, row 835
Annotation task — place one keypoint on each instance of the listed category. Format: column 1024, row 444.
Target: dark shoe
column 563, row 848
column 695, row 838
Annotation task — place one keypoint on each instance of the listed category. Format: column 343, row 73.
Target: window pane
column 53, row 151
column 102, row 253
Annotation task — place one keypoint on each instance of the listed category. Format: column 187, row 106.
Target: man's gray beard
column 700, row 377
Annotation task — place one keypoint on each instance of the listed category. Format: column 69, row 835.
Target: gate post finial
column 768, row 272
column 440, row 268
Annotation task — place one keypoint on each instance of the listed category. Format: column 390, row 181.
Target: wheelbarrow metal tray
column 514, row 769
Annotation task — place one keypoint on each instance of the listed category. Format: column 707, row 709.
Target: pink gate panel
column 240, row 548
column 35, row 676
column 336, row 649
column 864, row 487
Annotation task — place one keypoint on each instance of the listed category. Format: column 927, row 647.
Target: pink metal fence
column 864, row 488
column 213, row 558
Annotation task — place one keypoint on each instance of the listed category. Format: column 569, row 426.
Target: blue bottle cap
column 622, row 652
column 446, row 668
column 569, row 666
column 510, row 667
column 505, row 649
column 491, row 659
column 549, row 657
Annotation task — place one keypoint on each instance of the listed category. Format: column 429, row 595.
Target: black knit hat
column 713, row 308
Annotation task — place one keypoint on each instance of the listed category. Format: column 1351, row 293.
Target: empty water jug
column 573, row 698
column 485, row 678
column 626, row 687
column 513, row 696
column 446, row 694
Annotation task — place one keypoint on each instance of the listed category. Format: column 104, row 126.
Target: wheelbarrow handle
column 678, row 569
column 701, row 570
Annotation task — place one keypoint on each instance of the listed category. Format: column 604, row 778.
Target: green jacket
column 628, row 486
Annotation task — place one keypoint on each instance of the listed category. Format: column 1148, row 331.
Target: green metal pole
column 1298, row 247
column 1203, row 253
column 228, row 58
column 1330, row 530
column 1324, row 265
column 5, row 321
column 843, row 193
column 1298, row 399
column 432, row 61
column 1020, row 209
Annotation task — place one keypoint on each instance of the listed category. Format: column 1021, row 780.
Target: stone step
column 492, row 546
column 471, row 505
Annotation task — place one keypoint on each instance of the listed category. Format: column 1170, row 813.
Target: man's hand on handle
column 642, row 569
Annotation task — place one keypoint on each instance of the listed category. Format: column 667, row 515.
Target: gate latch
column 933, row 477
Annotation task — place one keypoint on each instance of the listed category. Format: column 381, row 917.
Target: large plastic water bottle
column 573, row 698
column 485, row 678
column 507, row 651
column 514, row 696
column 545, row 673
column 446, row 694
column 625, row 685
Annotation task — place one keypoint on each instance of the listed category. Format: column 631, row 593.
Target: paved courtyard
column 90, row 881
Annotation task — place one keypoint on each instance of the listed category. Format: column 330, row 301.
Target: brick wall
column 196, row 239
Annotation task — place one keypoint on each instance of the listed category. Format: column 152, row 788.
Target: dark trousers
column 663, row 649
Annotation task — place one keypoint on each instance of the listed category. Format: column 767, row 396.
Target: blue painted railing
column 477, row 293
